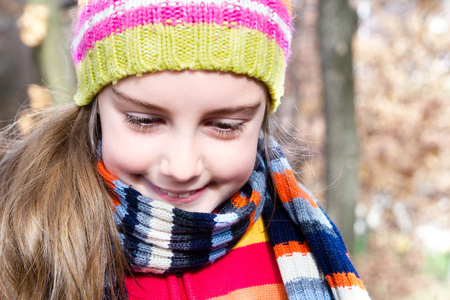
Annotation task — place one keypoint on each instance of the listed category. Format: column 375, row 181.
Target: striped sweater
column 248, row 271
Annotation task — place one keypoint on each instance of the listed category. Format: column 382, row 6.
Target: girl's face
column 186, row 138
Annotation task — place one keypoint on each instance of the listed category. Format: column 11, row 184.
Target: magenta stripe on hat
column 97, row 7
column 192, row 13
column 93, row 10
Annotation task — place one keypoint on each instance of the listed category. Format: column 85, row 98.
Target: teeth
column 185, row 195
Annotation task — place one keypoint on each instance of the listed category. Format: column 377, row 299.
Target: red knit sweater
column 248, row 271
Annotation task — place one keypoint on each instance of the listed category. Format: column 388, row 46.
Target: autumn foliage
column 402, row 82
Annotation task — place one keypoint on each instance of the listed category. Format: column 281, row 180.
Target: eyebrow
column 244, row 109
column 136, row 101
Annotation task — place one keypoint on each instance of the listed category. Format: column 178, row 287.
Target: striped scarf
column 311, row 255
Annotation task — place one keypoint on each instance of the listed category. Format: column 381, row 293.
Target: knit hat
column 117, row 38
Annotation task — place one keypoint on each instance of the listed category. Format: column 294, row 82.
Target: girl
column 163, row 182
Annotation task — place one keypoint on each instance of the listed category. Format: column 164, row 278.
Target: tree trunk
column 337, row 23
column 54, row 59
column 17, row 67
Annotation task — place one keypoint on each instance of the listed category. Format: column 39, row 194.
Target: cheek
column 127, row 158
column 234, row 163
column 123, row 152
column 120, row 152
column 235, row 160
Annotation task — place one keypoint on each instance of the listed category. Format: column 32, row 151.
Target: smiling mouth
column 170, row 196
column 174, row 195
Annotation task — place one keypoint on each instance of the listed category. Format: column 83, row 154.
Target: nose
column 181, row 161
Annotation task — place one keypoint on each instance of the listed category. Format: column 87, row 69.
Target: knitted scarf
column 311, row 255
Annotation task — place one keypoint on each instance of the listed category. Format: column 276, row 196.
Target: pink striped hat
column 117, row 38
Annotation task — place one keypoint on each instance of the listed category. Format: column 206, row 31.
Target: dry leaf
column 33, row 24
column 40, row 97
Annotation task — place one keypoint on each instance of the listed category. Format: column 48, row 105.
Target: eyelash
column 143, row 122
column 222, row 129
column 227, row 129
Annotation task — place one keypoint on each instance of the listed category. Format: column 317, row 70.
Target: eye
column 143, row 121
column 226, row 129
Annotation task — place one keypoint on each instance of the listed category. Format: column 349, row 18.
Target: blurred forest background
column 367, row 96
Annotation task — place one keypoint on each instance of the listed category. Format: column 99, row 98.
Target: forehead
column 172, row 89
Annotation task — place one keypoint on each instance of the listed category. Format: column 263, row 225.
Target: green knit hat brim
column 158, row 47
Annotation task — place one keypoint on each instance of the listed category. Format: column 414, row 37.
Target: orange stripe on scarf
column 337, row 280
column 288, row 188
column 238, row 201
column 291, row 247
column 108, row 178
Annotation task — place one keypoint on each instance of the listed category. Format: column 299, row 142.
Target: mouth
column 178, row 195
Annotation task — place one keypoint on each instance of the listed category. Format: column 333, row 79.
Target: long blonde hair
column 58, row 239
